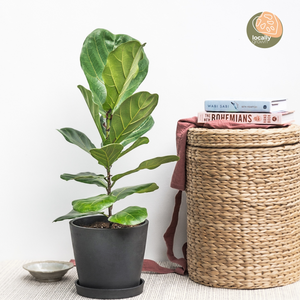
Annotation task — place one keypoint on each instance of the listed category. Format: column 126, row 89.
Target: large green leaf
column 93, row 58
column 75, row 214
column 140, row 141
column 93, row 107
column 97, row 203
column 148, row 164
column 86, row 177
column 141, row 130
column 77, row 138
column 121, row 68
column 107, row 155
column 131, row 215
column 121, row 193
column 130, row 115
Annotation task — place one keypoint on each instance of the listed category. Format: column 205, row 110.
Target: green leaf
column 93, row 58
column 148, row 164
column 96, row 203
column 141, row 130
column 77, row 138
column 107, row 155
column 93, row 107
column 131, row 215
column 75, row 214
column 120, row 70
column 86, row 177
column 130, row 115
column 121, row 193
column 137, row 143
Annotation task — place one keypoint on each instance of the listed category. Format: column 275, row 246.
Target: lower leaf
column 96, row 203
column 121, row 193
column 131, row 215
column 148, row 164
column 75, row 214
column 86, row 177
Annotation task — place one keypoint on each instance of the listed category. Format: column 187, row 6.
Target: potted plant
column 109, row 258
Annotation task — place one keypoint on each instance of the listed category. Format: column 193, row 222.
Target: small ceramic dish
column 48, row 271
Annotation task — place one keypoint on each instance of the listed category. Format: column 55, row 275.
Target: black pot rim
column 71, row 222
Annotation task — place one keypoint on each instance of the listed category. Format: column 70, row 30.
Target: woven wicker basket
column 243, row 198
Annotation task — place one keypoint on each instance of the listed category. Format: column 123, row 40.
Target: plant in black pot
column 109, row 246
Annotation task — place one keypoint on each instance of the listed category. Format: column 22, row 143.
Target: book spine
column 237, row 106
column 254, row 118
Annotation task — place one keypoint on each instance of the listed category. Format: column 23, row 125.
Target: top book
column 266, row 106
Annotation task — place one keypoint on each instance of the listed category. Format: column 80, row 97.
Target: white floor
column 16, row 283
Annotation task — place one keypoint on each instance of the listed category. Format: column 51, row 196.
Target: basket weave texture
column 243, row 199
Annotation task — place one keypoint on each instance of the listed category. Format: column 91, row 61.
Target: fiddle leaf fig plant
column 115, row 66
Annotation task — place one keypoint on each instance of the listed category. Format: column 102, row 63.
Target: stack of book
column 247, row 111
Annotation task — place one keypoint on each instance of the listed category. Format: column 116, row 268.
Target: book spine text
column 255, row 118
column 237, row 106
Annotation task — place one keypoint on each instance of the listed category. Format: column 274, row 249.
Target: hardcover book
column 255, row 118
column 265, row 106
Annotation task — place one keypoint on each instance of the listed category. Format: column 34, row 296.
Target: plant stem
column 110, row 211
column 109, row 189
column 108, row 119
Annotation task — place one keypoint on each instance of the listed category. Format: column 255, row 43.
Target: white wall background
column 197, row 50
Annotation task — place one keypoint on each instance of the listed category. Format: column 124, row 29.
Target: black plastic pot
column 109, row 261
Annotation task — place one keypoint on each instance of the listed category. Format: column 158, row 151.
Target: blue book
column 266, row 106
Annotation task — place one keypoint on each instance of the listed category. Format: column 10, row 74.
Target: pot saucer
column 49, row 270
column 109, row 293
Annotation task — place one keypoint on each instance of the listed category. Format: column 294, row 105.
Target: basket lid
column 243, row 138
